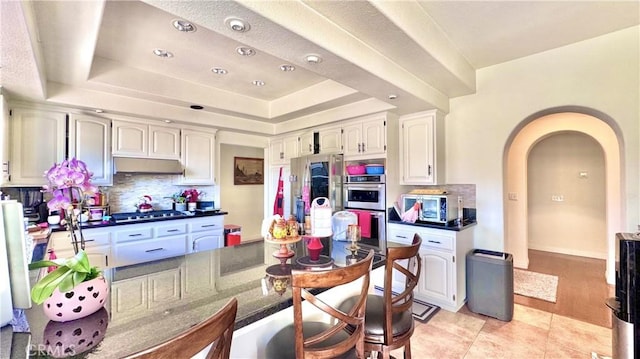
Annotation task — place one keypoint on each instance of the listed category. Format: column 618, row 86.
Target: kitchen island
column 151, row 302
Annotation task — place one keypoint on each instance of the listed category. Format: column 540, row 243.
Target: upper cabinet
column 198, row 157
column 90, row 141
column 422, row 149
column 38, row 141
column 132, row 139
column 330, row 139
column 365, row 138
column 282, row 149
column 307, row 146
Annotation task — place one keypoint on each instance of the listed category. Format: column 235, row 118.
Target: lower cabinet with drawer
column 97, row 246
column 205, row 233
column 134, row 252
column 443, row 253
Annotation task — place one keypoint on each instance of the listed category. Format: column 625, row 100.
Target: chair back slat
column 217, row 329
column 406, row 261
column 301, row 280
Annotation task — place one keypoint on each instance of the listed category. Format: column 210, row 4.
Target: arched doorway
column 516, row 152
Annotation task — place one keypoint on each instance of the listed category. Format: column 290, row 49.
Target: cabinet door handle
column 430, row 241
column 173, row 230
column 363, row 147
column 429, row 170
column 6, row 167
column 405, row 237
column 208, row 225
column 359, row 147
column 106, row 260
column 135, row 235
column 154, row 250
column 89, row 240
column 310, row 149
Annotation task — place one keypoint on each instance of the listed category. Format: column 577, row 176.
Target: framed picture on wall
column 248, row 170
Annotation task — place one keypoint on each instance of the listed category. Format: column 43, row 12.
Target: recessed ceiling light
column 258, row 83
column 393, row 97
column 236, row 24
column 162, row 53
column 287, row 68
column 168, row 121
column 219, row 71
column 246, row 51
column 313, row 59
column 97, row 110
column 196, row 107
column 184, row 26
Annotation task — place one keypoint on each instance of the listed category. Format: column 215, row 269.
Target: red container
column 233, row 238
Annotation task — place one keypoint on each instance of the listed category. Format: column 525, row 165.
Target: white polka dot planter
column 83, row 300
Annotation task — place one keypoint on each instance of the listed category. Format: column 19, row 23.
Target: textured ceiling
column 98, row 54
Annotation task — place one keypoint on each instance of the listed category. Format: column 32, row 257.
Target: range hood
column 146, row 165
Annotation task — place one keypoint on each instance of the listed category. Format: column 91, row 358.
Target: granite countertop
column 237, row 271
column 111, row 222
column 468, row 220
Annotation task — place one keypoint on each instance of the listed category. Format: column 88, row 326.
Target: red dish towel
column 364, row 221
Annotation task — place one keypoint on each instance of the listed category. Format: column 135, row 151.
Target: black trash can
column 490, row 283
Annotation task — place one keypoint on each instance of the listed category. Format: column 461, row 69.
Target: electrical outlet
column 513, row 196
column 557, row 198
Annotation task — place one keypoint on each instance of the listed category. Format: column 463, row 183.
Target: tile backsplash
column 128, row 188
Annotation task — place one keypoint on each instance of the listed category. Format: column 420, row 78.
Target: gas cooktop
column 145, row 216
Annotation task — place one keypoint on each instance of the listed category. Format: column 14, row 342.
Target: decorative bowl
column 375, row 169
column 356, row 169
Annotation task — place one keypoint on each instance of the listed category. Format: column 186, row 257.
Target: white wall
column 570, row 167
column 601, row 74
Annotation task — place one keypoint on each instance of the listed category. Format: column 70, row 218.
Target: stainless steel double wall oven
column 366, row 194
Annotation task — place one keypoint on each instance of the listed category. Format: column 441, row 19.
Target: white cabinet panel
column 163, row 287
column 198, row 157
column 436, row 284
column 306, row 144
column 4, row 138
column 365, row 138
column 283, row 149
column 149, row 250
column 422, row 149
column 164, row 142
column 90, row 141
column 200, row 274
column 330, row 140
column 130, row 139
column 38, row 140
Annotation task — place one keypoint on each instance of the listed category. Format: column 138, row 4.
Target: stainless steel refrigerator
column 315, row 176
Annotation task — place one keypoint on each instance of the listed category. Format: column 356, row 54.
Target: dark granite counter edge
column 111, row 223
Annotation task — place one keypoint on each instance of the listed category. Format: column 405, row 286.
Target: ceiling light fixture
column 237, row 25
column 97, row 110
column 313, row 59
column 287, row 68
column 162, row 53
column 393, row 97
column 196, row 107
column 258, row 83
column 168, row 121
column 219, row 71
column 184, row 26
column 245, row 51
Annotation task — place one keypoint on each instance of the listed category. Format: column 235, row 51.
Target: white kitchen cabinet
column 206, row 233
column 443, row 254
column 140, row 251
column 90, row 141
column 164, row 142
column 422, row 149
column 38, row 140
column 198, row 157
column 200, row 273
column 134, row 296
column 97, row 245
column 330, row 139
column 4, row 137
column 306, row 143
column 365, row 138
column 134, row 139
column 283, row 149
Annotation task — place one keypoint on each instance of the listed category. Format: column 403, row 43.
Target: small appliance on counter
column 340, row 222
column 434, row 208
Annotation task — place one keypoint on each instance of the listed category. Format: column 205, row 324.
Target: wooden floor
column 582, row 288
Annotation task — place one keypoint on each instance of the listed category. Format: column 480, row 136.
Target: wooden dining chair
column 216, row 330
column 389, row 318
column 327, row 339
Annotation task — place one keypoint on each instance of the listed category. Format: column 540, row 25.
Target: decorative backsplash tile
column 128, row 188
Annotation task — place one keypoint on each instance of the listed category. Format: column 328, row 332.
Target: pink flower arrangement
column 191, row 194
column 69, row 182
column 66, row 177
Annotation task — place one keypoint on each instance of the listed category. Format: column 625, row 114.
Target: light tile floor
column 532, row 333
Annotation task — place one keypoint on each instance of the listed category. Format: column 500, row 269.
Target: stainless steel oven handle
column 363, row 187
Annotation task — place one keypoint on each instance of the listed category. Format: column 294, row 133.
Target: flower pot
column 76, row 336
column 83, row 300
column 180, row 207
